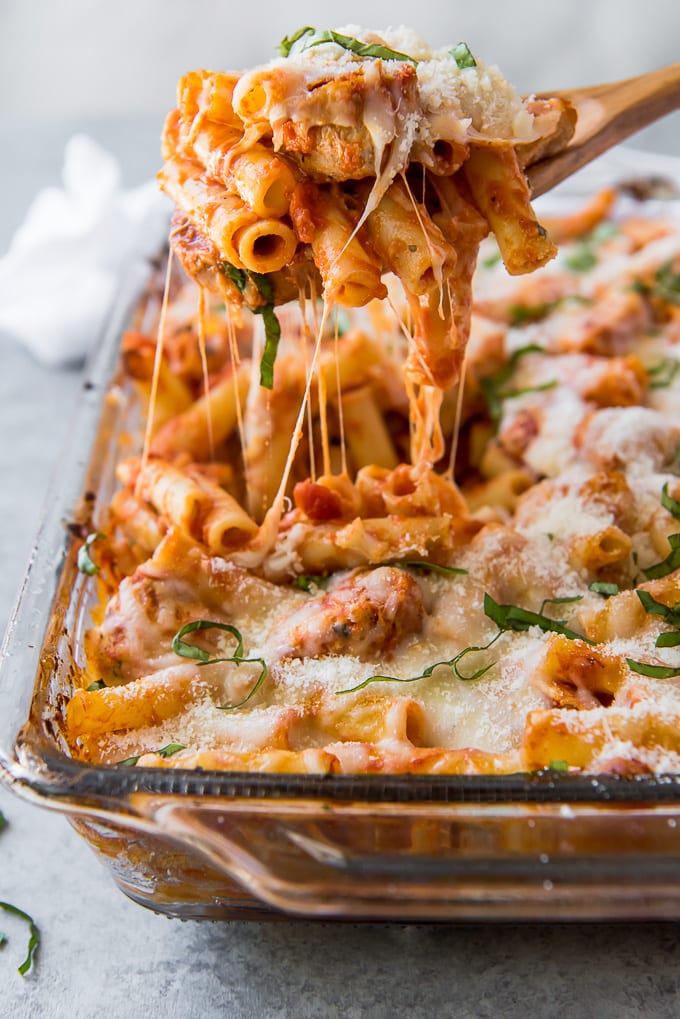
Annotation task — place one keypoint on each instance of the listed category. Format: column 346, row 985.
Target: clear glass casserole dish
column 217, row 844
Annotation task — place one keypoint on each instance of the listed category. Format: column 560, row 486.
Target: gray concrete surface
column 101, row 955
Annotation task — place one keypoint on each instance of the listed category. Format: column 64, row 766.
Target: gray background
column 110, row 69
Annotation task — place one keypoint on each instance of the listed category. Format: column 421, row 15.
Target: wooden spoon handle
column 606, row 115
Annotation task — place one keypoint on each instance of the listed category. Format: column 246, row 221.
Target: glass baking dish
column 218, row 844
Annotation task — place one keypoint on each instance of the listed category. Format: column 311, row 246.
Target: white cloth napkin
column 59, row 277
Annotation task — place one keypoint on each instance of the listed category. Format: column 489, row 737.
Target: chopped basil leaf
column 521, row 314
column 272, row 333
column 85, row 563
column 237, row 276
column 604, row 232
column 167, row 751
column 638, row 286
column 180, row 647
column 186, row 650
column 492, row 385
column 560, row 601
column 34, row 938
column 263, row 285
column 254, row 688
column 452, row 664
column 491, row 260
column 582, row 258
column 670, row 563
column 653, row 671
column 418, row 564
column 305, row 581
column 462, row 55
column 272, row 326
column 170, row 749
column 657, row 608
column 288, row 41
column 669, row 503
column 604, row 588
column 559, row 766
column 509, row 394
column 667, row 283
column 98, row 684
column 525, row 314
column 361, row 49
column 671, row 639
column 662, row 375
column 511, row 617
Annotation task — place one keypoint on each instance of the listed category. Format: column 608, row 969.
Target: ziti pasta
column 372, row 527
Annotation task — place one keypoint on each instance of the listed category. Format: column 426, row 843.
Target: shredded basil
column 662, row 375
column 417, row 564
column 34, row 935
column 361, row 49
column 305, row 581
column 98, row 684
column 462, row 55
column 263, row 285
column 559, row 766
column 237, row 276
column 509, row 394
column 452, row 664
column 522, row 314
column 653, row 671
column 491, row 260
column 669, row 503
column 85, row 562
column 582, row 258
column 170, row 749
column 604, row 232
column 511, row 617
column 657, row 608
column 289, row 41
column 492, row 385
column 583, row 255
column 667, row 565
column 671, row 639
column 525, row 314
column 166, row 751
column 186, row 650
column 272, row 326
column 181, row 647
column 568, row 600
column 666, row 285
column 272, row 333
column 604, row 588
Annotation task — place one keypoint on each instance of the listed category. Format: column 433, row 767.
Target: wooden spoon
column 606, row 115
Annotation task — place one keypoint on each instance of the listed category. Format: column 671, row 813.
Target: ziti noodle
column 353, row 541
